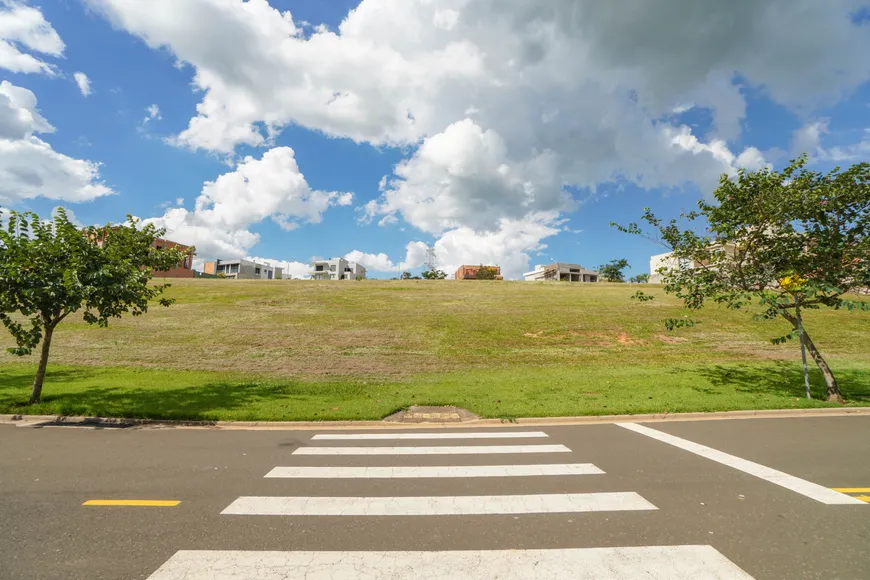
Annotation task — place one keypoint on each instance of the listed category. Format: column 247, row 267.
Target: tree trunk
column 36, row 394
column 832, row 391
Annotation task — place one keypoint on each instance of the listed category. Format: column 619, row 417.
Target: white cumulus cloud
column 29, row 167
column 83, row 82
column 398, row 70
column 508, row 245
column 415, row 256
column 852, row 152
column 257, row 189
column 23, row 28
column 153, row 112
column 292, row 270
column 807, row 139
column 464, row 177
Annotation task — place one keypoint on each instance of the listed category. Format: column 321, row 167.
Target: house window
column 256, row 271
column 187, row 262
column 332, row 268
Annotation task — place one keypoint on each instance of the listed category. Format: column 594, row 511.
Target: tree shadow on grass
column 186, row 401
column 785, row 380
column 16, row 382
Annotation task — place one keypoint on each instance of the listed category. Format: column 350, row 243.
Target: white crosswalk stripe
column 433, row 471
column 421, row 436
column 446, row 450
column 648, row 562
column 438, row 505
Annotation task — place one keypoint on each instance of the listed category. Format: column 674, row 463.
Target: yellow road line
column 863, row 498
column 852, row 489
column 133, row 502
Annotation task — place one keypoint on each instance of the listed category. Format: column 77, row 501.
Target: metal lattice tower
column 430, row 258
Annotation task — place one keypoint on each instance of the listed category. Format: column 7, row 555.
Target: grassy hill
column 362, row 350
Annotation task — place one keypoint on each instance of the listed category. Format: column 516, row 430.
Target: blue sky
column 499, row 141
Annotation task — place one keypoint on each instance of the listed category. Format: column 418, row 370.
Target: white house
column 561, row 272
column 243, row 270
column 337, row 269
column 666, row 260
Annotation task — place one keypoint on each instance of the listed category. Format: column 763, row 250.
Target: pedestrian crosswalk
column 695, row 562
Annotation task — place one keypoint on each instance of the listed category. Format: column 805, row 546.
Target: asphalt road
column 651, row 494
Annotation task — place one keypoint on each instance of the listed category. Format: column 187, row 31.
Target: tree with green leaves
column 639, row 279
column 405, row 276
column 786, row 241
column 486, row 273
column 51, row 269
column 434, row 275
column 613, row 270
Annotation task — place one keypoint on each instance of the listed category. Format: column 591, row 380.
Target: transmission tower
column 430, row 258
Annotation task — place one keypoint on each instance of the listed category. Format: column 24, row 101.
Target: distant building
column 666, row 260
column 184, row 269
column 561, row 272
column 243, row 270
column 337, row 269
column 470, row 272
column 669, row 262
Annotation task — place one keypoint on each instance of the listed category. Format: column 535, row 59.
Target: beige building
column 561, row 272
column 667, row 260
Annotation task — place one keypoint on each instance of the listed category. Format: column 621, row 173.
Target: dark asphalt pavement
column 770, row 532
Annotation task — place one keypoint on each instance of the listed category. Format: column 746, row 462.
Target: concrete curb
column 53, row 420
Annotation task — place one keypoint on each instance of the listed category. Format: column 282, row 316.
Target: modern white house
column 665, row 260
column 243, row 270
column 337, row 269
column 561, row 272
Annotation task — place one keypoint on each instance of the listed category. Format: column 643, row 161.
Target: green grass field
column 296, row 350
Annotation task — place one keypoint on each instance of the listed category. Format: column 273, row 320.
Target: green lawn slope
column 294, row 350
